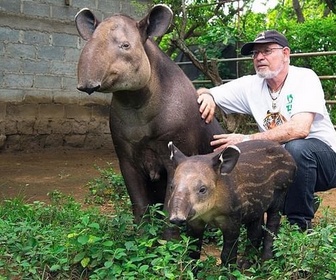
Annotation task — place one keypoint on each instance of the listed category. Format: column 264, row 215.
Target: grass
column 63, row 240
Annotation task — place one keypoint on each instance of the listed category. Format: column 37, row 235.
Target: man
column 287, row 102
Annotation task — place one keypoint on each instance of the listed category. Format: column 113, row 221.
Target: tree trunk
column 209, row 69
column 331, row 5
column 298, row 11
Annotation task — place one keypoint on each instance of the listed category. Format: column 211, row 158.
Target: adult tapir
column 153, row 101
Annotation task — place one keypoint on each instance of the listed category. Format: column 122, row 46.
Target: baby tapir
column 231, row 188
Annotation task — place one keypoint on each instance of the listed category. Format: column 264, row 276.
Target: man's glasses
column 265, row 52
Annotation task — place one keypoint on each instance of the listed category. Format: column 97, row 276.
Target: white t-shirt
column 301, row 92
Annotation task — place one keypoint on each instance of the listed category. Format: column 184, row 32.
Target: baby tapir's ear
column 175, row 154
column 227, row 159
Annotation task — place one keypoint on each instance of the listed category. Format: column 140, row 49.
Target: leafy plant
column 62, row 240
column 110, row 186
column 303, row 255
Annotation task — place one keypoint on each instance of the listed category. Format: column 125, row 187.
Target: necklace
column 275, row 94
column 274, row 98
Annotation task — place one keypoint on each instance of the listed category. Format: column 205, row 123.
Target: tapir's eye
column 125, row 45
column 202, row 190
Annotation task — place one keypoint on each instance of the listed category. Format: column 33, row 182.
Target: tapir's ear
column 227, row 159
column 86, row 23
column 157, row 22
column 175, row 154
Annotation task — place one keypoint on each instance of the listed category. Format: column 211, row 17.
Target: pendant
column 274, row 105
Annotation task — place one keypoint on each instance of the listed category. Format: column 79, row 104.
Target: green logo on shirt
column 289, row 103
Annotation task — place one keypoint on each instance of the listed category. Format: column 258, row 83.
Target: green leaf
column 108, row 264
column 85, row 220
column 55, row 267
column 108, row 243
column 93, row 239
column 85, row 261
column 119, row 253
column 79, row 257
column 162, row 241
column 94, row 225
column 143, row 268
column 130, row 246
column 83, row 239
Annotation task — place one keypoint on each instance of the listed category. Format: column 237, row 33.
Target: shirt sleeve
column 308, row 95
column 231, row 96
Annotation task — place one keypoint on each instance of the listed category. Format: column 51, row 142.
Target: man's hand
column 207, row 104
column 221, row 141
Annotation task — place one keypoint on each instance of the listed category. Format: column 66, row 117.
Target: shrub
column 61, row 240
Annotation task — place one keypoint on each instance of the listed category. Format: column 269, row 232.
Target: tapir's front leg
column 230, row 243
column 196, row 231
column 137, row 189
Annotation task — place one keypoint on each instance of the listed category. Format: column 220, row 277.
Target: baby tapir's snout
column 230, row 188
column 177, row 219
column 178, row 213
column 180, row 208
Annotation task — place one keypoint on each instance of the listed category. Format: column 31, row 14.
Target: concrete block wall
column 40, row 106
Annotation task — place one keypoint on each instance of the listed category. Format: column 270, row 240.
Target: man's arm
column 297, row 127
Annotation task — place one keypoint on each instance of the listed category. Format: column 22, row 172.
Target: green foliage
column 303, row 255
column 61, row 240
column 37, row 243
column 32, row 242
column 109, row 187
column 321, row 34
column 202, row 23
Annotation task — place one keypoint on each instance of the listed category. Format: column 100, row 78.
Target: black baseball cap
column 269, row 36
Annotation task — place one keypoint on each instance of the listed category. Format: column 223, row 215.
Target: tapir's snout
column 179, row 210
column 177, row 220
column 89, row 71
column 88, row 87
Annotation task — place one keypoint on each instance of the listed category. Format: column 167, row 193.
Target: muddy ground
column 32, row 175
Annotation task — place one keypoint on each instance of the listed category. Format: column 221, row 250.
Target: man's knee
column 296, row 148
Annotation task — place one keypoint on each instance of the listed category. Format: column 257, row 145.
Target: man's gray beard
column 269, row 74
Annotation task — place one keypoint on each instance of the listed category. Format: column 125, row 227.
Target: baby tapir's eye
column 202, row 190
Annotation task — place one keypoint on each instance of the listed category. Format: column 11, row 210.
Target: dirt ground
column 32, row 175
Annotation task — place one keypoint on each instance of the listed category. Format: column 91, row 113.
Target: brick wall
column 39, row 49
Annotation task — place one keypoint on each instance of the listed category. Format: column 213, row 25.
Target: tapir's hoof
column 244, row 263
column 266, row 256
